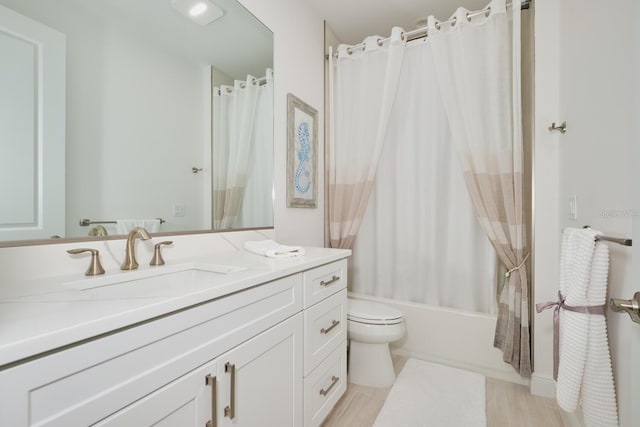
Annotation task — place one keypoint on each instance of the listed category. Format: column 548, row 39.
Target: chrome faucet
column 130, row 254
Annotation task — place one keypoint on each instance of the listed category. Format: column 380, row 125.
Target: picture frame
column 302, row 154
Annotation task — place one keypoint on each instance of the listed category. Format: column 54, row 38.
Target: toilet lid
column 371, row 312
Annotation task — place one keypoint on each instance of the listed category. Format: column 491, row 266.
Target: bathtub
column 457, row 338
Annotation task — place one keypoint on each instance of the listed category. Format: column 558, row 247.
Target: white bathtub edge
column 452, row 337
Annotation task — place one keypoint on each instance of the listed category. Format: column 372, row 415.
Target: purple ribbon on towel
column 585, row 309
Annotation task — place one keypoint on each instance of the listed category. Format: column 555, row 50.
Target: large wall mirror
column 118, row 113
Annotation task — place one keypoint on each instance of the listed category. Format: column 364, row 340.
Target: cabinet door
column 188, row 401
column 260, row 381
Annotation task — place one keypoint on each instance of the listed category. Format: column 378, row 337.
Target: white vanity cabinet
column 325, row 340
column 257, row 383
column 237, row 360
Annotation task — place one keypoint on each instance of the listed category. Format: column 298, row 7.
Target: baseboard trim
column 542, row 385
column 571, row 419
column 510, row 377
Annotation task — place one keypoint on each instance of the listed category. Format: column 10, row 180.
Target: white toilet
column 370, row 329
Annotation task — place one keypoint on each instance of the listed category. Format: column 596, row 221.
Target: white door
column 598, row 76
column 32, row 129
column 260, row 381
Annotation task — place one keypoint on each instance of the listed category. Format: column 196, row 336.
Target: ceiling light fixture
column 202, row 12
column 198, row 9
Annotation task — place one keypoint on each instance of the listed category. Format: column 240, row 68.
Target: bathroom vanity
column 244, row 341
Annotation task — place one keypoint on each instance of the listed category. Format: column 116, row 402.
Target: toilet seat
column 372, row 313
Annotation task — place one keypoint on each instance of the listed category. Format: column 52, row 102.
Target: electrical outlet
column 178, row 210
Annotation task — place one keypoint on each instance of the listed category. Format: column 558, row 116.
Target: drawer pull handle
column 230, row 411
column 329, row 282
column 334, row 323
column 211, row 381
column 334, row 381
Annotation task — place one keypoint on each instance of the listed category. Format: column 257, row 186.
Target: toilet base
column 370, row 365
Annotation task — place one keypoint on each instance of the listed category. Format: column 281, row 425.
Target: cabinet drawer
column 325, row 326
column 324, row 387
column 323, row 281
column 87, row 382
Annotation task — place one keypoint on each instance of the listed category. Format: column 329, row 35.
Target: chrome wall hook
column 562, row 127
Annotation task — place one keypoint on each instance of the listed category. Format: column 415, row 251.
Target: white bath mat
column 428, row 394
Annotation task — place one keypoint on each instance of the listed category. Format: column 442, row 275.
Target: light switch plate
column 573, row 207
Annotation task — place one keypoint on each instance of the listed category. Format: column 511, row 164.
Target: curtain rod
column 420, row 33
column 259, row 81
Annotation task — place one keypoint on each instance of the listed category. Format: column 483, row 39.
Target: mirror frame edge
column 40, row 242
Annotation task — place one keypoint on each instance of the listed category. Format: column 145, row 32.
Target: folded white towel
column 124, row 226
column 584, row 371
column 272, row 249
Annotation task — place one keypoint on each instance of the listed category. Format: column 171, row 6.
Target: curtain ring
column 380, row 42
column 488, row 12
column 468, row 17
column 437, row 25
column 453, row 21
column 349, row 51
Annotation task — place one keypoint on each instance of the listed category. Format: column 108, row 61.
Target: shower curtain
column 242, row 133
column 422, row 237
column 366, row 84
column 419, row 239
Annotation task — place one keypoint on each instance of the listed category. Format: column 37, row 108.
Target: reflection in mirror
column 242, row 154
column 143, row 83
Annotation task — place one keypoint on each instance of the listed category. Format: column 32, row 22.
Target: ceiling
column 353, row 20
column 236, row 44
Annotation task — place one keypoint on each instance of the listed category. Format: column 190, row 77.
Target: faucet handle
column 95, row 268
column 157, row 256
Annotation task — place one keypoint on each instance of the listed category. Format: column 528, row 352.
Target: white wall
column 595, row 154
column 546, row 232
column 298, row 69
column 584, row 77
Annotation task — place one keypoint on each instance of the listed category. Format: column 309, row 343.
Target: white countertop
column 42, row 315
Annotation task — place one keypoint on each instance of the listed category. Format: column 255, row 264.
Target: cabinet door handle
column 334, row 323
column 211, row 381
column 329, row 282
column 334, row 381
column 230, row 411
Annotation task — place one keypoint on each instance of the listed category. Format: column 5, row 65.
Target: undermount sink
column 158, row 276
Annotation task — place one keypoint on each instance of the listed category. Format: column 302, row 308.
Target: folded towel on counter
column 272, row 249
column 124, row 226
column 584, row 371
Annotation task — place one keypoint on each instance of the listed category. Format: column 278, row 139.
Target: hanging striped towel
column 584, row 371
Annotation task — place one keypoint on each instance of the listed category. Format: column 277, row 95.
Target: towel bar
column 86, row 222
column 619, row 240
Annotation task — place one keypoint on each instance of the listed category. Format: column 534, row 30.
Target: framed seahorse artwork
column 302, row 154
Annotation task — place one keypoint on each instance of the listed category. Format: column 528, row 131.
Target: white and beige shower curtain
column 424, row 234
column 366, row 85
column 419, row 239
column 242, row 138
